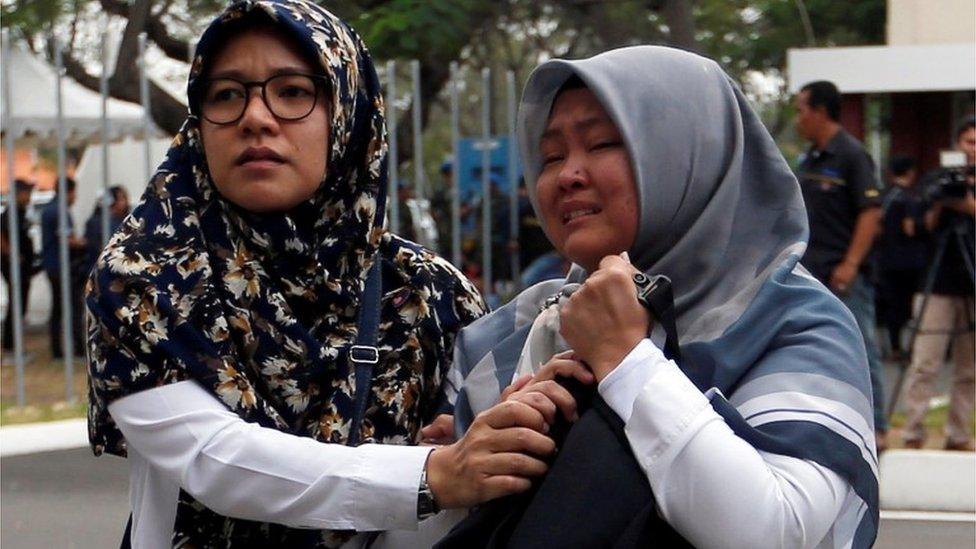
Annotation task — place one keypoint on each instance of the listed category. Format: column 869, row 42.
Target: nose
column 573, row 173
column 257, row 116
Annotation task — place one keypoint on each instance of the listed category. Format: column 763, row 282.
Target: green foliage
column 31, row 16
column 755, row 35
column 419, row 29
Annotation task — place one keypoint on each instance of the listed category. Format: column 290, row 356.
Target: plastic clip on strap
column 654, row 292
column 364, row 354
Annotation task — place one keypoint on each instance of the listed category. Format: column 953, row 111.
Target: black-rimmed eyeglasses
column 287, row 96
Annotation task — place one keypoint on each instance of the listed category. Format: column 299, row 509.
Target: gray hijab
column 719, row 207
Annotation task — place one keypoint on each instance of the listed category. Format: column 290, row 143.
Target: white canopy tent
column 34, row 106
column 126, row 168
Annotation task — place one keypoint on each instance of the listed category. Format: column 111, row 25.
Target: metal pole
column 419, row 184
column 486, row 182
column 105, row 136
column 15, row 281
column 64, row 231
column 144, row 98
column 455, row 168
column 391, row 123
column 513, row 201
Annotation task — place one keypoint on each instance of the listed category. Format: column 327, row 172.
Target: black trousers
column 55, row 329
column 8, row 321
column 897, row 289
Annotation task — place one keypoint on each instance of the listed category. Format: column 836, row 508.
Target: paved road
column 71, row 499
column 64, row 499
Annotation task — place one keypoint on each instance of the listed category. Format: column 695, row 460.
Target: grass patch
column 13, row 415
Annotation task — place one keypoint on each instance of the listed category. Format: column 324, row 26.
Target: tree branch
column 155, row 29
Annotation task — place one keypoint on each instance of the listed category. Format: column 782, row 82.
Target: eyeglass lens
column 287, row 96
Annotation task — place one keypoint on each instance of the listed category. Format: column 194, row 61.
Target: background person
column 51, row 261
column 761, row 434
column 117, row 210
column 948, row 315
column 25, row 262
column 902, row 250
column 229, row 316
column 843, row 199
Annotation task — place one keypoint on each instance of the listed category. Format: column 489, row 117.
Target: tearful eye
column 550, row 159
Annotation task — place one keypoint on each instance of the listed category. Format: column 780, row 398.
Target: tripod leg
column 963, row 376
column 915, row 324
column 928, row 360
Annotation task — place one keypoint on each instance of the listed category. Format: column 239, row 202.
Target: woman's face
column 586, row 191
column 259, row 162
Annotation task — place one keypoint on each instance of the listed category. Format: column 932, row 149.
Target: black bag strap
column 127, row 536
column 660, row 301
column 363, row 354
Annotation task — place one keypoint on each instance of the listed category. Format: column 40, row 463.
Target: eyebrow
column 582, row 125
column 239, row 75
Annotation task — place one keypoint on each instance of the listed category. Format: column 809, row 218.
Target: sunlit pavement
column 70, row 499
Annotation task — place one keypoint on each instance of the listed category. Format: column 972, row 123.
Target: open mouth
column 578, row 213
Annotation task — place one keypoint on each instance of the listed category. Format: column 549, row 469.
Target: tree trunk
column 681, row 21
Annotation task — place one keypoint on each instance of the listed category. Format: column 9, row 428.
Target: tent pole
column 486, row 274
column 105, row 136
column 144, row 97
column 513, row 186
column 14, row 225
column 393, row 198
column 455, row 189
column 418, row 142
column 64, row 232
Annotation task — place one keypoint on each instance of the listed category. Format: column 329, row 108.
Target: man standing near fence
column 843, row 199
column 50, row 259
column 24, row 262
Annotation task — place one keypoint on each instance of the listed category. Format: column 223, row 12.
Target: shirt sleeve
column 861, row 180
column 706, row 481
column 242, row 470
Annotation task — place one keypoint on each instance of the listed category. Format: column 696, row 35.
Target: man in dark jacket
column 25, row 260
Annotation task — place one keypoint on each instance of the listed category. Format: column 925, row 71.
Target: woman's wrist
column 436, row 473
column 611, row 357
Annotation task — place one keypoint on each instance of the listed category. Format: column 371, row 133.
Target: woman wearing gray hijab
column 649, row 161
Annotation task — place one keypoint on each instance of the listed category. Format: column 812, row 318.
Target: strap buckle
column 364, row 354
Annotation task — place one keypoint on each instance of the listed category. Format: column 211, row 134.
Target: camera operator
column 947, row 316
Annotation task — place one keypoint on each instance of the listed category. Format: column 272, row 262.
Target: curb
column 928, row 481
column 31, row 438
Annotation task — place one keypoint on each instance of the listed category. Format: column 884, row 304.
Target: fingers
column 513, row 413
column 555, row 394
column 504, row 485
column 521, row 440
column 542, row 403
column 565, row 365
column 514, row 464
column 515, row 386
column 617, row 262
column 441, row 430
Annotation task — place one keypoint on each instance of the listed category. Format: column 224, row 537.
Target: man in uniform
column 842, row 197
column 24, row 260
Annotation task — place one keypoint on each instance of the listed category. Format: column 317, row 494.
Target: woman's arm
column 707, row 481
column 242, row 470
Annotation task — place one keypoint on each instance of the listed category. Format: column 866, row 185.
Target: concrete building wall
column 931, row 22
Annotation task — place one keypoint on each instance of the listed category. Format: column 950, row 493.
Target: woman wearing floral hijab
column 253, row 326
column 756, row 429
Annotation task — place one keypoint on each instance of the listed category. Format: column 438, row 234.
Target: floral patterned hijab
column 260, row 309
